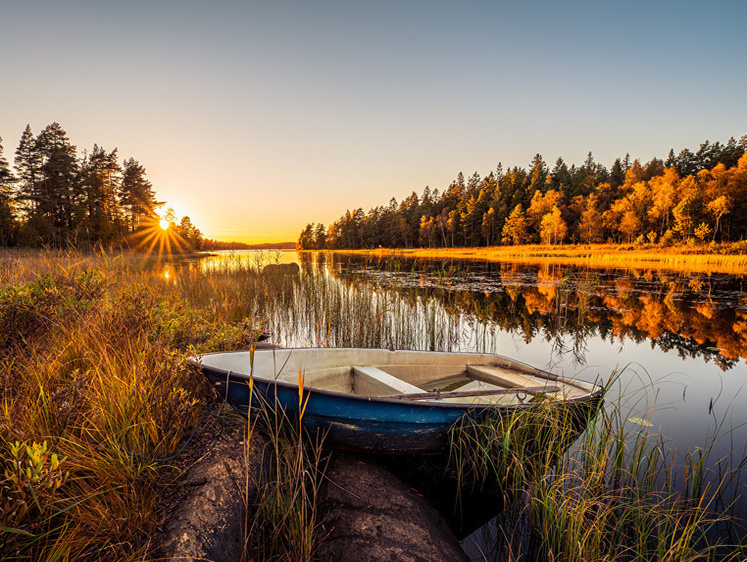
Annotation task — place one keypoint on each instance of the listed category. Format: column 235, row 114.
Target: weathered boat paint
column 358, row 423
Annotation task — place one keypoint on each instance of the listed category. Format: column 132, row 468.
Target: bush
column 28, row 311
column 668, row 238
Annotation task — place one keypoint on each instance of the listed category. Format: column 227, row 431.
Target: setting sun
column 164, row 224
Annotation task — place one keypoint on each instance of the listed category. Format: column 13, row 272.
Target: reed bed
column 97, row 392
column 617, row 493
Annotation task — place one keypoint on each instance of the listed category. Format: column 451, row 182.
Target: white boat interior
column 411, row 375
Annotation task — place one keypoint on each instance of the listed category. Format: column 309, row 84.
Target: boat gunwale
column 244, row 377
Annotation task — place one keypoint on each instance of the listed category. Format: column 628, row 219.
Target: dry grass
column 725, row 258
column 96, row 388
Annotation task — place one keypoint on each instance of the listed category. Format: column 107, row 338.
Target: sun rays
column 159, row 236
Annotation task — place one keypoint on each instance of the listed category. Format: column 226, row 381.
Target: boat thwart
column 386, row 401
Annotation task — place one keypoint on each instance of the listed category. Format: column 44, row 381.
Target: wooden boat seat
column 507, row 378
column 499, row 377
column 480, row 385
column 371, row 381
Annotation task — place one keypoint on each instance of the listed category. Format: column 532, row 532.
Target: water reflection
column 680, row 339
column 697, row 315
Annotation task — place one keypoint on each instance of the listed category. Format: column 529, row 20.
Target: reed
column 612, row 495
column 285, row 523
column 96, row 388
column 705, row 258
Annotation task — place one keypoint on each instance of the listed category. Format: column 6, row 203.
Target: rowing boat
column 377, row 400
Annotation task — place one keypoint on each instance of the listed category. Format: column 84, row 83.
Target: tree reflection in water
column 697, row 315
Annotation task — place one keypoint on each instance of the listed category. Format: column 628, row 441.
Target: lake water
column 678, row 342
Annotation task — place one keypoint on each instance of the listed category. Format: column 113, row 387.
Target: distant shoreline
column 718, row 258
column 211, row 245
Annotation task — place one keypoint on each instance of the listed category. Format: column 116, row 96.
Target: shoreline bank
column 700, row 259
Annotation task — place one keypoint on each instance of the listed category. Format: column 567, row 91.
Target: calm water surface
column 679, row 341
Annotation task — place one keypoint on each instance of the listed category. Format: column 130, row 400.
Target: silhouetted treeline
column 210, row 244
column 692, row 195
column 54, row 197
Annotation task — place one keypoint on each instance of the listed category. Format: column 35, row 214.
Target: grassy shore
column 705, row 258
column 97, row 397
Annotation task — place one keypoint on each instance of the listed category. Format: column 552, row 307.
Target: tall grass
column 705, row 258
column 96, row 388
column 618, row 493
column 285, row 522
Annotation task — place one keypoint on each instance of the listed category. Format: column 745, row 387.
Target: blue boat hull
column 347, row 422
column 357, row 423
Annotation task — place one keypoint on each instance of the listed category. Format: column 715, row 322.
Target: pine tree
column 190, row 234
column 59, row 181
column 7, row 218
column 136, row 197
column 320, row 237
column 28, row 169
column 306, row 238
column 101, row 177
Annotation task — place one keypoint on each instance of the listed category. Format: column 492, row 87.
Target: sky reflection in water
column 679, row 340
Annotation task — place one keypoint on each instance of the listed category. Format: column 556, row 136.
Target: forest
column 688, row 197
column 52, row 197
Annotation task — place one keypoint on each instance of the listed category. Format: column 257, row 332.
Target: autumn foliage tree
column 692, row 195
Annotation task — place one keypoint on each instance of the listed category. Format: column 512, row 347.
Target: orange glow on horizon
column 252, row 239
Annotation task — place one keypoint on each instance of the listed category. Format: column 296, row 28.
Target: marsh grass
column 618, row 493
column 285, row 524
column 96, row 388
column 705, row 258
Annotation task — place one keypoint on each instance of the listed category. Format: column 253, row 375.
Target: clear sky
column 255, row 118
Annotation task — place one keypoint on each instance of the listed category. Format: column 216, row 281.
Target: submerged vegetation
column 98, row 396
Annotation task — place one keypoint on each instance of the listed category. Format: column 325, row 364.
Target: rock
column 206, row 520
column 366, row 512
column 369, row 514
